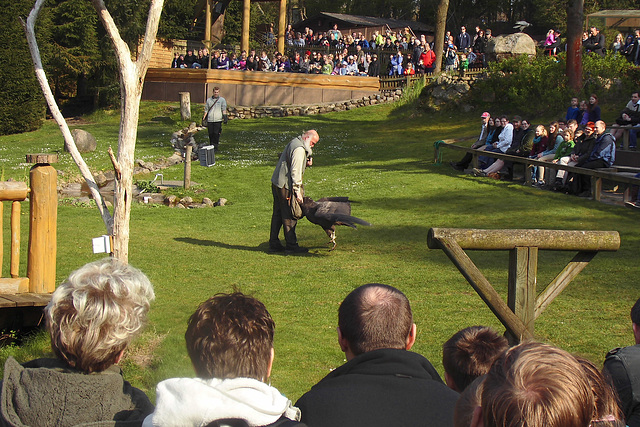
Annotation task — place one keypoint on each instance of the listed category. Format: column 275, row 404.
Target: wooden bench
column 621, row 175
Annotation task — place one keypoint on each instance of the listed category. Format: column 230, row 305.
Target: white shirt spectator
column 505, row 138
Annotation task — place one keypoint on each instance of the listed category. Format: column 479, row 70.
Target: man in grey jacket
column 215, row 112
column 286, row 182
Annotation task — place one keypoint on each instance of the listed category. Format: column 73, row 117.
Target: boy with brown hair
column 230, row 343
column 469, row 354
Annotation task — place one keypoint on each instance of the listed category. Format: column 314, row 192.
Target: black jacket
column 380, row 388
column 622, row 367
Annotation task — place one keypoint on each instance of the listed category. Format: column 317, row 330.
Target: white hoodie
column 198, row 402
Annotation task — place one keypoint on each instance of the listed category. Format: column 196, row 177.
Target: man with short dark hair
column 622, row 366
column 463, row 40
column 595, row 43
column 230, row 343
column 382, row 383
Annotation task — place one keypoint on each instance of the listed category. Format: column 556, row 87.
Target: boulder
column 501, row 47
column 85, row 142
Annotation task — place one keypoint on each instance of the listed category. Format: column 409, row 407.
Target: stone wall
column 311, row 109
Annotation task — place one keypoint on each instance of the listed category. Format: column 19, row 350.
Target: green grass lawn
column 381, row 157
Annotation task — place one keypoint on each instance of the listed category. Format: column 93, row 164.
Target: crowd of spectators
column 349, row 54
column 101, row 307
column 579, row 139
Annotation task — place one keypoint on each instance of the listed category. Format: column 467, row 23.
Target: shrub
column 539, row 86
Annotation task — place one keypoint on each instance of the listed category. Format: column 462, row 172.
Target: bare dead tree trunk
column 575, row 19
column 441, row 25
column 29, row 28
column 131, row 82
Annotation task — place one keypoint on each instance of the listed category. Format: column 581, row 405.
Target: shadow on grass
column 262, row 247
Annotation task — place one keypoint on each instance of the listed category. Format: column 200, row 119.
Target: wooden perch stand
column 523, row 306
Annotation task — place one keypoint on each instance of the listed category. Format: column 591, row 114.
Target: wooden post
column 523, row 265
column 187, row 167
column 207, row 30
column 41, row 264
column 282, row 25
column 185, row 105
column 15, row 239
column 246, row 17
column 1, row 235
column 596, row 188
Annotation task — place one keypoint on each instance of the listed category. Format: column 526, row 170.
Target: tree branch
column 29, row 29
column 116, row 165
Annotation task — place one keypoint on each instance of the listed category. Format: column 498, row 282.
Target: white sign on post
column 101, row 244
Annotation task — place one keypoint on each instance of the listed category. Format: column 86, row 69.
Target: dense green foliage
column 22, row 106
column 501, row 14
column 379, row 156
column 535, row 86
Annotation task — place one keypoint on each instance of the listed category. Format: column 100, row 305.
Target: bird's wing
column 334, row 199
column 333, row 208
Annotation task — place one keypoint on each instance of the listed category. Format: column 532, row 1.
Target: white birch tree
column 132, row 73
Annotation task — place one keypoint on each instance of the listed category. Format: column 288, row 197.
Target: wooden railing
column 43, row 202
column 14, row 192
column 619, row 174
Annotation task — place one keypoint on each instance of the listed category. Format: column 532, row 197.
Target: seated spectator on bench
column 520, row 147
column 190, row 60
column 505, row 138
column 92, row 317
column 469, row 354
column 535, row 384
column 487, row 126
column 554, row 141
column 583, row 145
column 230, row 344
column 493, row 171
column 178, row 60
column 602, row 156
column 630, row 116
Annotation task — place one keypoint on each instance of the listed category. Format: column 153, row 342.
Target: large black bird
column 329, row 212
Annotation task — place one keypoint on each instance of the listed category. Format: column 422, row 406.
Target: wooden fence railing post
column 41, row 264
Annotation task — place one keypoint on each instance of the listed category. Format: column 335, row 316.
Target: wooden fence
column 16, row 291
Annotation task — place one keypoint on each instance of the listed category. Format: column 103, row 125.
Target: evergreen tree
column 22, row 108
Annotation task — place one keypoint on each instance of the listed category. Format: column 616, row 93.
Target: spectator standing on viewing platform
column 92, row 317
column 463, row 40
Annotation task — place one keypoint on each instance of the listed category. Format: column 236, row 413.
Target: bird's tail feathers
column 349, row 220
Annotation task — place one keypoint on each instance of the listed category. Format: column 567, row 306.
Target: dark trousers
column 582, row 183
column 281, row 218
column 465, row 161
column 215, row 129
